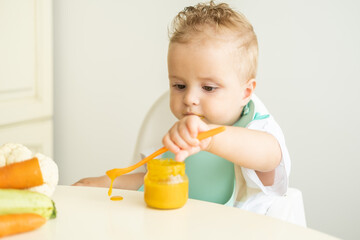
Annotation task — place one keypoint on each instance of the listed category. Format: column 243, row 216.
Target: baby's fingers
column 192, row 126
column 170, row 144
column 187, row 136
column 178, row 137
column 183, row 154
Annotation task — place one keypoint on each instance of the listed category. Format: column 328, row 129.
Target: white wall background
column 110, row 65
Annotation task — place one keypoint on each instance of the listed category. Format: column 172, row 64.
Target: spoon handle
column 119, row 171
column 210, row 133
column 200, row 136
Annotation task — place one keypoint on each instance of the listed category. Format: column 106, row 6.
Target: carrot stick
column 21, row 175
column 18, row 223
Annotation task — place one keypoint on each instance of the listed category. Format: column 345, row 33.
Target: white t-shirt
column 249, row 193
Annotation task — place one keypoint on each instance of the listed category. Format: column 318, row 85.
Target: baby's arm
column 248, row 148
column 128, row 181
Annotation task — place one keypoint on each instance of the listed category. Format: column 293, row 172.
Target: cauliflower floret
column 50, row 174
column 14, row 152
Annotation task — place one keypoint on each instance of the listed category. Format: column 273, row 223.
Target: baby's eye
column 209, row 88
column 179, row 86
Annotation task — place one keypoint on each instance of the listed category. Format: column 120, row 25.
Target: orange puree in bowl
column 166, row 185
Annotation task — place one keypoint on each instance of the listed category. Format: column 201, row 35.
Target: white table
column 88, row 213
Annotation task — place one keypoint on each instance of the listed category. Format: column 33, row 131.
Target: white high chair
column 158, row 121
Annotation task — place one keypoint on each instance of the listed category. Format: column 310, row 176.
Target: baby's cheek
column 225, row 117
column 175, row 107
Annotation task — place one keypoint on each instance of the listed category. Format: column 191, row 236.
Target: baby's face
column 204, row 80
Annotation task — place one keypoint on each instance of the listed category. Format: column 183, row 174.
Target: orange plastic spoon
column 116, row 172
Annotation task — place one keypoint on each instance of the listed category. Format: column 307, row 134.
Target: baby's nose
column 191, row 98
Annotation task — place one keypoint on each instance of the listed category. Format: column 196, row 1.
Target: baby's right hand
column 102, row 181
column 182, row 140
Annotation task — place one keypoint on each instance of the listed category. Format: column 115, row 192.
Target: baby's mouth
column 199, row 115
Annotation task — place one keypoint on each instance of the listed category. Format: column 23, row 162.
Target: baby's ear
column 249, row 89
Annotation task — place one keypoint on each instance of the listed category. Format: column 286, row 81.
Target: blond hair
column 192, row 20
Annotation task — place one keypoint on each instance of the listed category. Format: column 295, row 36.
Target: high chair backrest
column 156, row 123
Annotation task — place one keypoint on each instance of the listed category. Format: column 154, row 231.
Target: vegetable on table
column 11, row 153
column 26, row 183
column 21, row 175
column 50, row 173
column 18, row 223
column 14, row 201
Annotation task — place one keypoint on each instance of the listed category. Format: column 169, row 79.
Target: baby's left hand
column 181, row 138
